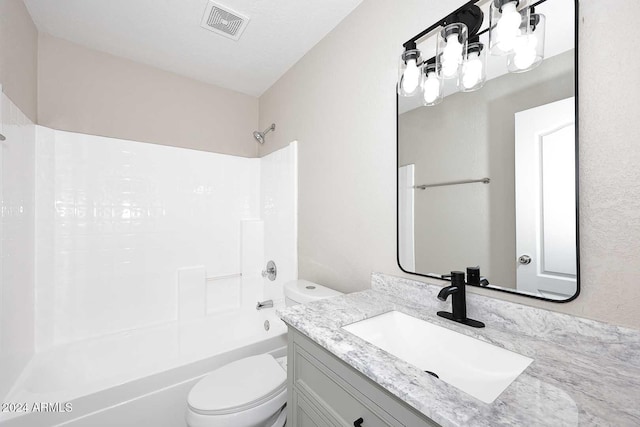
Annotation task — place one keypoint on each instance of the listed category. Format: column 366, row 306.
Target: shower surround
column 17, row 252
column 135, row 242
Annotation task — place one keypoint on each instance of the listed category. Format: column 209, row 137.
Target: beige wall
column 19, row 56
column 87, row 91
column 339, row 102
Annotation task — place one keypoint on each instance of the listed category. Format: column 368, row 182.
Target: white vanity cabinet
column 324, row 391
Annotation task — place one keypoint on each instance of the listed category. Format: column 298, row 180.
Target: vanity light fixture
column 515, row 31
column 451, row 53
column 409, row 73
column 432, row 84
column 528, row 50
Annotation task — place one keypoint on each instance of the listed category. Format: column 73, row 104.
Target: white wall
column 339, row 103
column 17, row 254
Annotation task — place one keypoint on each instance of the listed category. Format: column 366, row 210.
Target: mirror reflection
column 487, row 149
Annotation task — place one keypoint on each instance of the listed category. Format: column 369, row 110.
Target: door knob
column 524, row 259
column 358, row 422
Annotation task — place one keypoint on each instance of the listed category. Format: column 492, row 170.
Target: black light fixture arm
column 444, row 21
column 461, row 14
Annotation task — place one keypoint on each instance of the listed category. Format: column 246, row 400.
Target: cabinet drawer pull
column 358, row 422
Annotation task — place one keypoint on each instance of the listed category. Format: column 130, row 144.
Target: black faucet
column 457, row 290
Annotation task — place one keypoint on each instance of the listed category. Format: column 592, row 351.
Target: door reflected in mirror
column 488, row 178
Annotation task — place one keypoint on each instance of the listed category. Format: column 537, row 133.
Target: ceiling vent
column 224, row 21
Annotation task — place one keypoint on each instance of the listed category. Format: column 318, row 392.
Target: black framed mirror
column 487, row 148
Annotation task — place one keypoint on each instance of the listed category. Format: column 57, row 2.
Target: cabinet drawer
column 327, row 390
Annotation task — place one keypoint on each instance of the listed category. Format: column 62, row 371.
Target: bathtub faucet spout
column 264, row 304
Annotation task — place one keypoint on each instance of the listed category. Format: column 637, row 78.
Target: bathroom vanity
column 325, row 391
column 583, row 372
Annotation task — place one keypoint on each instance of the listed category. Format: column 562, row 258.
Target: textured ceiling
column 166, row 34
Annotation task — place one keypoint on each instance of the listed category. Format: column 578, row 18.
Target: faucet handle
column 271, row 271
column 473, row 275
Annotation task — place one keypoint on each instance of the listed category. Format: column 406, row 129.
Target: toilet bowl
column 250, row 392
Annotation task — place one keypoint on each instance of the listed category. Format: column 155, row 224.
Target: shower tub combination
column 144, row 284
column 141, row 377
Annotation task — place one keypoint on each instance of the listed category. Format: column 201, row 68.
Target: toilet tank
column 304, row 291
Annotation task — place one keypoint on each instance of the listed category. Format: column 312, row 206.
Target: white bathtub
column 141, row 377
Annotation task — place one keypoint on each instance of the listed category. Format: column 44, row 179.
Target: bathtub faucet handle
column 271, row 272
column 264, row 304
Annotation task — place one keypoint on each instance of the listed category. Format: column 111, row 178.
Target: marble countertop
column 584, row 372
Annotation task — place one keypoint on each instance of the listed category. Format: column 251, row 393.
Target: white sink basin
column 473, row 366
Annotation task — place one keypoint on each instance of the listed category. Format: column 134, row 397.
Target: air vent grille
column 224, row 21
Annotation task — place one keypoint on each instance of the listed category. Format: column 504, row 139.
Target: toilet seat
column 246, row 392
column 272, row 414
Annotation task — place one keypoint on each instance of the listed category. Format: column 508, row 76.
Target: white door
column 545, row 200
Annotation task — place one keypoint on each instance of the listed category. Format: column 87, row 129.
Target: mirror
column 488, row 178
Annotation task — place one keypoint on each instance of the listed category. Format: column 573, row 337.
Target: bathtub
column 140, row 377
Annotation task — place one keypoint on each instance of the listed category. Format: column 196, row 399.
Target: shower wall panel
column 279, row 202
column 17, row 253
column 117, row 219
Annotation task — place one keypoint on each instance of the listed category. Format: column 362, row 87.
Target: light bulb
column 508, row 27
column 411, row 77
column 451, row 56
column 431, row 88
column 472, row 71
column 525, row 51
column 510, row 18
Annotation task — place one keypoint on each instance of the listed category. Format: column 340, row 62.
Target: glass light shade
column 505, row 24
column 432, row 85
column 452, row 44
column 528, row 51
column 473, row 73
column 409, row 73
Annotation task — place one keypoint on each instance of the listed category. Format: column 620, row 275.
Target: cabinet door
column 325, row 389
column 340, row 394
column 307, row 415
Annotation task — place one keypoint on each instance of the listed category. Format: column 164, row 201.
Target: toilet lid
column 238, row 386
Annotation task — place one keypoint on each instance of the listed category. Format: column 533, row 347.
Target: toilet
column 250, row 392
